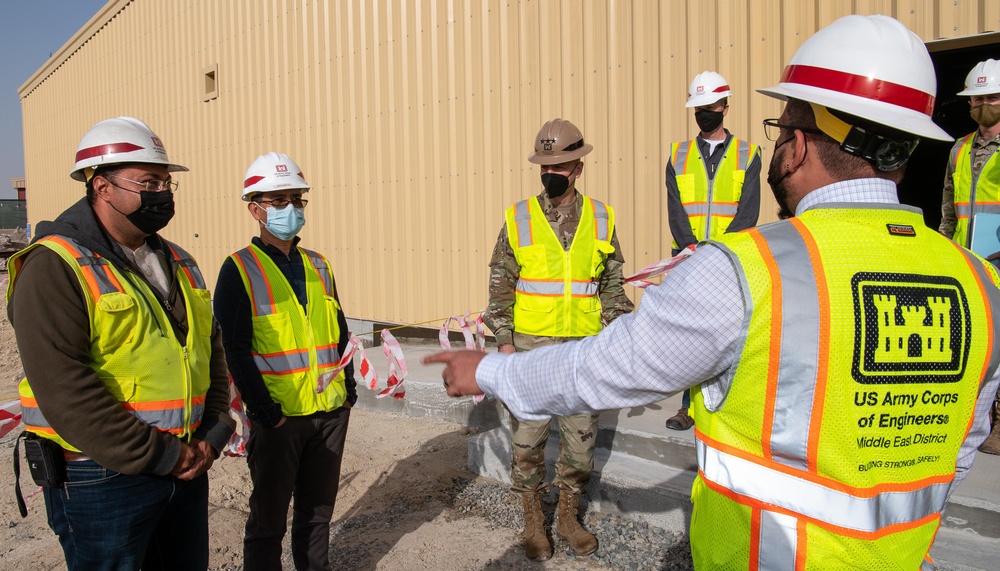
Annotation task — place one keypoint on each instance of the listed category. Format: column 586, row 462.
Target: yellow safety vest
column 710, row 204
column 972, row 195
column 556, row 292
column 868, row 339
column 133, row 348
column 292, row 348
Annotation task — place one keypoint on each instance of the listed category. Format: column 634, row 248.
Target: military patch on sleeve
column 901, row 230
column 909, row 329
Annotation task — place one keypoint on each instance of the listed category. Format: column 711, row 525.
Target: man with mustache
column 842, row 362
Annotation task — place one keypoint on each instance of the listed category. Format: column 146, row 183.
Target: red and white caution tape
column 324, row 380
column 397, row 367
column 368, row 375
column 10, row 416
column 640, row 278
column 237, row 445
column 475, row 342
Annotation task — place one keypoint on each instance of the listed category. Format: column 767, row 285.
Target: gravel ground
column 622, row 543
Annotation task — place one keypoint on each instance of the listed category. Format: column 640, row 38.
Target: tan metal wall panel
column 413, row 118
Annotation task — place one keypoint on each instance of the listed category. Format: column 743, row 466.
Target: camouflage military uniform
column 577, row 433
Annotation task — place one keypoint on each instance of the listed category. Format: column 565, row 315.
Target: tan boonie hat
column 558, row 141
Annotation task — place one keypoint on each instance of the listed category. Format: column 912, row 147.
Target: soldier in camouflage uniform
column 538, row 254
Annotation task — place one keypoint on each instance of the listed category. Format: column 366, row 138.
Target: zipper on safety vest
column 188, row 407
column 313, row 358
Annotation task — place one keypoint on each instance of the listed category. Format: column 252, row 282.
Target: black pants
column 302, row 456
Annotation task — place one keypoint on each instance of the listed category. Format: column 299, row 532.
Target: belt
column 71, row 456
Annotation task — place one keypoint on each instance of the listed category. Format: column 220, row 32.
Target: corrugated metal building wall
column 412, row 119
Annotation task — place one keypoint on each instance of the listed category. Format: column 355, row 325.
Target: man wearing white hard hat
column 972, row 179
column 842, row 361
column 283, row 330
column 713, row 183
column 125, row 397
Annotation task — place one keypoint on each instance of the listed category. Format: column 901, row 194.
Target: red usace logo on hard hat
column 981, row 79
column 281, row 168
column 157, row 142
column 700, row 89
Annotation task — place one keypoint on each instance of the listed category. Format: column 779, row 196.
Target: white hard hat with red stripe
column 872, row 67
column 270, row 172
column 984, row 79
column 117, row 141
column 707, row 88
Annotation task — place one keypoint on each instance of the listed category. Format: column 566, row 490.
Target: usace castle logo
column 909, row 329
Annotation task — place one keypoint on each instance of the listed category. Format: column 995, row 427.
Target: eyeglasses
column 280, row 203
column 148, row 186
column 772, row 129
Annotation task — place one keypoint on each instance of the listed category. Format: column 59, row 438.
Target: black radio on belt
column 45, row 461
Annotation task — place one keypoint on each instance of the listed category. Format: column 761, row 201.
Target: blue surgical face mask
column 285, row 223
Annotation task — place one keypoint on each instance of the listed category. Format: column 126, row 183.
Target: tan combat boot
column 992, row 443
column 581, row 541
column 536, row 545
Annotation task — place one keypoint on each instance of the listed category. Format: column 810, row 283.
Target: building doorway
column 953, row 59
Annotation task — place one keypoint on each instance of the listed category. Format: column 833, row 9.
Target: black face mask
column 774, row 180
column 708, row 121
column 555, row 184
column 155, row 210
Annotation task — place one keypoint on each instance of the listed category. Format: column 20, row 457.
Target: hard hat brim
column 78, row 173
column 906, row 120
column 706, row 99
column 979, row 91
column 539, row 159
column 248, row 195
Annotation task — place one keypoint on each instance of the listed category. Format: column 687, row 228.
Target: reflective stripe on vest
column 600, row 219
column 261, row 296
column 291, row 362
column 187, row 265
column 98, row 275
column 964, row 209
column 798, row 358
column 522, row 217
column 860, row 511
column 555, row 287
column 167, row 415
column 319, row 266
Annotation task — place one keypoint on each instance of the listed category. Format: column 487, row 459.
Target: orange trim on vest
column 161, row 404
column 989, row 338
column 187, row 272
column 822, row 368
column 801, row 543
column 775, row 342
column 754, row 539
column 88, row 271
